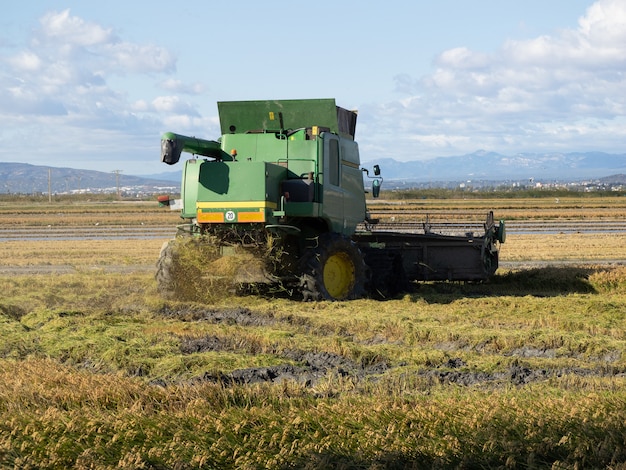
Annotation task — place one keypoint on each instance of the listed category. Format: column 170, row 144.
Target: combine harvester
column 282, row 191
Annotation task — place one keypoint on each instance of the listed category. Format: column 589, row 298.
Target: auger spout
column 172, row 145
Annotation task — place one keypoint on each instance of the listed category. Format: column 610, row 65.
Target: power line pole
column 117, row 182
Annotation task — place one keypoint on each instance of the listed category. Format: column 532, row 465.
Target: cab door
column 333, row 203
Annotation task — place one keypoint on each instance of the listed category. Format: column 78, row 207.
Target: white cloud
column 63, row 37
column 605, row 23
column 66, row 29
column 177, row 86
column 141, row 106
column 26, row 61
column 16, row 102
column 171, row 104
column 126, row 57
column 529, row 94
column 166, row 103
column 206, row 128
column 58, row 86
column 462, row 57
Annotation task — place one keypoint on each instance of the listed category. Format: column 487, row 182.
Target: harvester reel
column 333, row 270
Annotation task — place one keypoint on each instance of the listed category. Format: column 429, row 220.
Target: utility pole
column 49, row 185
column 117, row 182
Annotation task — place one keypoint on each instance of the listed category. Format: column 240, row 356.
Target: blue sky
column 93, row 85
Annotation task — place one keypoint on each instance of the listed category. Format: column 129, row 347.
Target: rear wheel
column 333, row 270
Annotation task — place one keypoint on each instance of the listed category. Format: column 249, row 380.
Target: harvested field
column 527, row 370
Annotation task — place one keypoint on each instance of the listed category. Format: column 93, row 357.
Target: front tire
column 333, row 270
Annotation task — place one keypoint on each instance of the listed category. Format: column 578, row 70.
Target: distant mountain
column 477, row 166
column 167, row 176
column 483, row 165
column 613, row 179
column 28, row 179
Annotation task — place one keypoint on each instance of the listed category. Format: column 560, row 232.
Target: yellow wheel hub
column 339, row 275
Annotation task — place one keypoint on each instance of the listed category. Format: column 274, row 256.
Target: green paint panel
column 239, row 181
column 246, row 116
column 302, row 209
column 298, row 156
column 255, row 147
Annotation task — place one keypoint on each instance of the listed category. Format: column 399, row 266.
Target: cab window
column 333, row 162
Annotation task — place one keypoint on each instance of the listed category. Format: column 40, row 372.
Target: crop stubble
column 527, row 370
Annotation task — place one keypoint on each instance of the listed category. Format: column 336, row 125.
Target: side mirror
column 376, row 188
column 376, row 170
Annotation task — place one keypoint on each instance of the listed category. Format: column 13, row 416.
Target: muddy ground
column 308, row 368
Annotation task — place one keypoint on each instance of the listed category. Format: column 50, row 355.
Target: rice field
column 525, row 371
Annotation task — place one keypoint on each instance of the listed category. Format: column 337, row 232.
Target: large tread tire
column 333, row 270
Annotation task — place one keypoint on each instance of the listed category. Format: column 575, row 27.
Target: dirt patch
column 304, row 367
column 279, row 373
column 309, row 368
column 517, row 374
column 526, row 351
column 13, row 312
column 204, row 344
column 246, row 317
column 229, row 316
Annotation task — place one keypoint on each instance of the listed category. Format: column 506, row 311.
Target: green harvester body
column 291, row 168
column 276, row 160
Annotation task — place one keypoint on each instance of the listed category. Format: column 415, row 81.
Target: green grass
column 97, row 371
